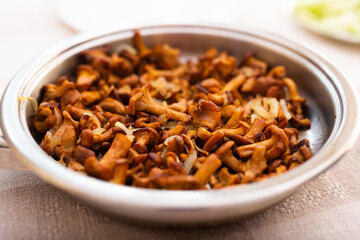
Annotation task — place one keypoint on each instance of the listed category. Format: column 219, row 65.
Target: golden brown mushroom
column 211, row 164
column 112, row 105
column 48, row 116
column 143, row 122
column 212, row 85
column 203, row 134
column 105, row 136
column 72, row 97
column 140, row 46
column 224, row 148
column 248, row 85
column 241, row 130
column 235, row 119
column 263, row 86
column 59, row 89
column 180, row 106
column 120, row 65
column 120, row 171
column 98, row 58
column 225, row 178
column 164, row 56
column 224, row 65
column 257, row 126
column 277, row 135
column 216, row 138
column 205, row 114
column 294, row 94
column 62, row 141
column 90, row 97
column 257, row 163
column 177, row 182
column 143, row 137
column 104, row 168
column 228, row 111
column 73, row 164
column 234, row 83
column 82, row 153
column 76, row 112
column 278, row 72
column 169, row 74
column 230, row 160
column 177, row 130
column 142, row 101
column 251, row 61
column 302, row 154
column 85, row 77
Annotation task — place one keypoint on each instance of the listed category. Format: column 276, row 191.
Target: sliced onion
column 164, row 118
column 160, row 82
column 164, row 104
column 253, row 116
column 52, row 140
column 33, row 101
column 55, row 141
column 273, row 107
column 128, row 132
column 97, row 121
column 260, row 110
column 61, row 161
column 172, row 137
column 98, row 131
column 200, row 150
column 139, row 105
column 163, row 151
column 189, row 162
column 126, row 47
column 157, row 101
column 284, row 108
column 168, row 95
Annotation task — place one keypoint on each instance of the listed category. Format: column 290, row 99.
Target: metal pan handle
column 3, row 143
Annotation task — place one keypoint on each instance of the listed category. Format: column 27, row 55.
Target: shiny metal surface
column 333, row 110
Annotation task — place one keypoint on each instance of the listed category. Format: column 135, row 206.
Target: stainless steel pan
column 333, row 110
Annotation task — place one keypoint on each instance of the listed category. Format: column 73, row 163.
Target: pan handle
column 3, row 143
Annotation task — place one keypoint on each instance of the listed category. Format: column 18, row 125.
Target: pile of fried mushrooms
column 138, row 116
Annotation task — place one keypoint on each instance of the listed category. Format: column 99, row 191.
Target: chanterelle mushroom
column 86, row 75
column 205, row 114
column 105, row 167
column 60, row 141
column 48, row 116
column 143, row 137
column 257, row 163
column 59, row 89
column 142, row 101
column 277, row 135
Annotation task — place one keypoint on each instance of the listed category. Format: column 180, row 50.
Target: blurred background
column 30, row 27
